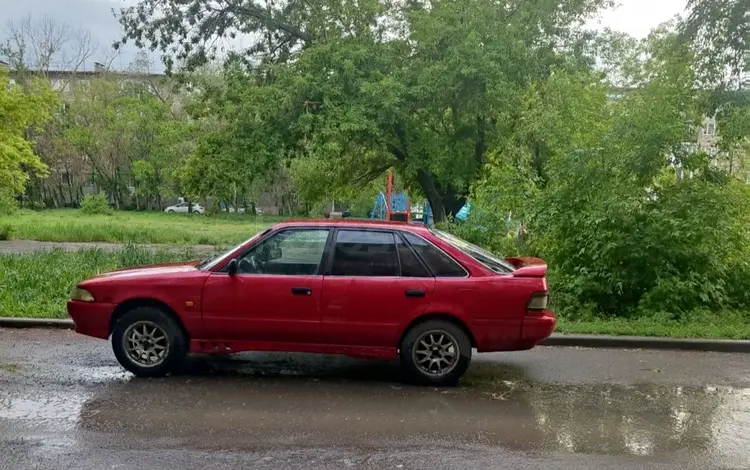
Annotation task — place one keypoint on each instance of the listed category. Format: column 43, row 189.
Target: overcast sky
column 635, row 17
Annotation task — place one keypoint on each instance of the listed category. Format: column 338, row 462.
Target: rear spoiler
column 528, row 266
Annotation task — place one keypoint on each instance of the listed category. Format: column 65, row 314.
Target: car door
column 275, row 295
column 366, row 297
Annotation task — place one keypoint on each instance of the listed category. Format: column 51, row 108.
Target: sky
column 635, row 17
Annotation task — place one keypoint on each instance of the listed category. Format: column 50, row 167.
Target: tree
column 412, row 86
column 37, row 46
column 720, row 33
column 21, row 109
column 622, row 232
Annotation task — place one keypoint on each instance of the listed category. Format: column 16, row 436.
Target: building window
column 60, row 85
column 710, row 128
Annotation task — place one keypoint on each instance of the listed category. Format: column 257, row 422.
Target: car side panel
column 499, row 315
column 371, row 311
column 180, row 292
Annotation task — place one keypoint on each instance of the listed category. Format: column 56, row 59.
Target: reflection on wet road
column 64, row 403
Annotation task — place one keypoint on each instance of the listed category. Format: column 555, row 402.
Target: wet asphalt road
column 65, row 403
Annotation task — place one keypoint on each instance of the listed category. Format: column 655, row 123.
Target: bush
column 8, row 204
column 5, row 232
column 95, row 204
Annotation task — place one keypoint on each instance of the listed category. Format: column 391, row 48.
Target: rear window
column 490, row 260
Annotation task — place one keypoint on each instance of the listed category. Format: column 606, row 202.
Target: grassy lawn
column 725, row 326
column 69, row 225
column 39, row 284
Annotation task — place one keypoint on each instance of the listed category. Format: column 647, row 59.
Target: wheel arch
column 439, row 316
column 132, row 304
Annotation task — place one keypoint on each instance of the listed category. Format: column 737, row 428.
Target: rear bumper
column 538, row 328
column 517, row 335
column 91, row 318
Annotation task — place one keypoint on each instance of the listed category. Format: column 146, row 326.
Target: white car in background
column 183, row 208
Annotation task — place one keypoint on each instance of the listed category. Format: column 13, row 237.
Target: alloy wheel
column 146, row 343
column 436, row 353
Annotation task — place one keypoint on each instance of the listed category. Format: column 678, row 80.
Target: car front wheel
column 148, row 342
column 435, row 352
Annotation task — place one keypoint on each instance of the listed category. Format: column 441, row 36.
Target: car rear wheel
column 148, row 342
column 435, row 352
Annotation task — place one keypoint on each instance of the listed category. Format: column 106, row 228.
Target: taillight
column 538, row 301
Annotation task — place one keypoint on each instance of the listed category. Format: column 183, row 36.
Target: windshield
column 490, row 260
column 209, row 263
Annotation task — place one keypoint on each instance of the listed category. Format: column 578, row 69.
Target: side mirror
column 232, row 267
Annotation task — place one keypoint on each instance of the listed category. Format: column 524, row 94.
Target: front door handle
column 415, row 292
column 301, row 291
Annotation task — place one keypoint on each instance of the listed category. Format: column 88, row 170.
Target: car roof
column 353, row 223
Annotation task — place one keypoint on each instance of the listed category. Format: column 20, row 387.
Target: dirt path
column 28, row 246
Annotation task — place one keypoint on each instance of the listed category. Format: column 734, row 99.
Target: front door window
column 289, row 252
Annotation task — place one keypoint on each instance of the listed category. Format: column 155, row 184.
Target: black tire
column 176, row 347
column 415, row 372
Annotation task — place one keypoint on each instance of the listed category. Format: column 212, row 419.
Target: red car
column 359, row 288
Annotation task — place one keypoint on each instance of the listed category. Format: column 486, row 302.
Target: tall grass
column 38, row 284
column 68, row 225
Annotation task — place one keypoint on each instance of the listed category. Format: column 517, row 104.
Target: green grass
column 727, row 325
column 69, row 225
column 38, row 284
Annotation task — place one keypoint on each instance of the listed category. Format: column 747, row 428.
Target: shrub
column 8, row 204
column 5, row 231
column 95, row 204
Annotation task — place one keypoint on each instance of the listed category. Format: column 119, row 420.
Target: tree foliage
column 419, row 86
column 21, row 109
column 631, row 219
column 720, row 33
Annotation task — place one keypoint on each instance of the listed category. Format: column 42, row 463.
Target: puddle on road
column 51, row 409
column 246, row 403
column 103, row 374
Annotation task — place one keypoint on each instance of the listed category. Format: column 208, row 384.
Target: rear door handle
column 301, row 291
column 415, row 292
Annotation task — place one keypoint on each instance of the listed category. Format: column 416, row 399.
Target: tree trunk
column 444, row 201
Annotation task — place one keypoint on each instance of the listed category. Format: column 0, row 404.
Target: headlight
column 538, row 301
column 81, row 295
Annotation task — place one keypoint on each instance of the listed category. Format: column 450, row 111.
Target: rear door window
column 365, row 253
column 411, row 266
column 439, row 263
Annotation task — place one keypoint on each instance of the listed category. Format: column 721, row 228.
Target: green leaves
column 21, row 109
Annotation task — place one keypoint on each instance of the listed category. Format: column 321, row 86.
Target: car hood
column 150, row 270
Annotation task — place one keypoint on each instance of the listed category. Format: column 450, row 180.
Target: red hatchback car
column 359, row 288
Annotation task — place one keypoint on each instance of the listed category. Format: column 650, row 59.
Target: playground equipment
column 397, row 207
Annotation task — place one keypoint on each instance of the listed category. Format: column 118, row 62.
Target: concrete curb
column 582, row 341
column 645, row 342
column 56, row 323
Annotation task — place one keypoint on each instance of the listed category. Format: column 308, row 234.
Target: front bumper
column 91, row 318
